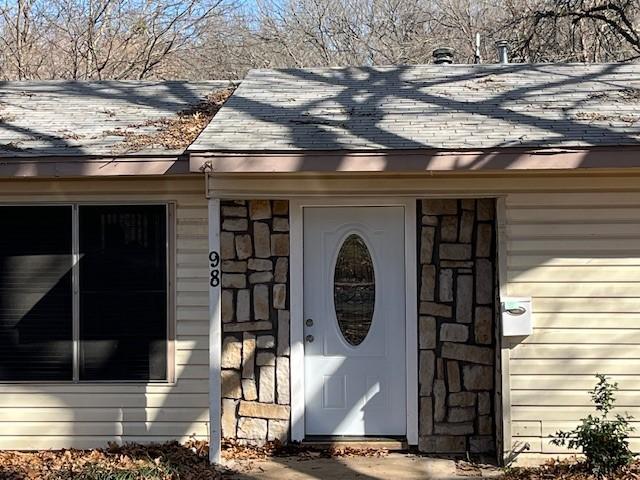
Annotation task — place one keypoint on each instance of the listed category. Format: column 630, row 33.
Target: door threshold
column 357, row 442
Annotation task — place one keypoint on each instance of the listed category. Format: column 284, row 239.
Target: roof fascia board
column 508, row 159
column 476, row 184
column 92, row 166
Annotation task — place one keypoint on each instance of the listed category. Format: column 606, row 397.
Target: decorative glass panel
column 354, row 290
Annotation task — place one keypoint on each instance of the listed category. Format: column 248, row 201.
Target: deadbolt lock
column 309, row 338
column 309, row 322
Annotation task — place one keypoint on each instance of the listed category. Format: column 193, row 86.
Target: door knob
column 309, row 338
column 309, row 322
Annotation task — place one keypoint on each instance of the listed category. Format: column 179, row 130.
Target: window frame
column 170, row 257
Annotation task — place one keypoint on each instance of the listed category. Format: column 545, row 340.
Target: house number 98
column 214, row 261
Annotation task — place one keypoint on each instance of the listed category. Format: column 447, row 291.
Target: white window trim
column 170, row 243
column 296, row 207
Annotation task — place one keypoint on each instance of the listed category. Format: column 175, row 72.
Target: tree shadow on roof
column 398, row 108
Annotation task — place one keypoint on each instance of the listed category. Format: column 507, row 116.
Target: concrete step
column 361, row 443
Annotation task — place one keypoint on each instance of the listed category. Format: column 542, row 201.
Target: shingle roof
column 62, row 118
column 430, row 106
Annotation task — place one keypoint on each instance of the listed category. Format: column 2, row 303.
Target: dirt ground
column 394, row 466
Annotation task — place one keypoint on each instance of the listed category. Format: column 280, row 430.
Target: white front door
column 354, row 321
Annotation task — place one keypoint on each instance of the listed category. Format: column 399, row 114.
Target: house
column 338, row 253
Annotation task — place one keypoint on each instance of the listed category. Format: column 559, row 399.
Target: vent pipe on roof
column 477, row 58
column 442, row 56
column 503, row 51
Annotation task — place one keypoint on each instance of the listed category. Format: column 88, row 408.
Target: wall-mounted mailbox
column 517, row 316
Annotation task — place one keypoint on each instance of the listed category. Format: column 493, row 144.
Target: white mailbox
column 517, row 316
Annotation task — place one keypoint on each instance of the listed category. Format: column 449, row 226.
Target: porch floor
column 397, row 466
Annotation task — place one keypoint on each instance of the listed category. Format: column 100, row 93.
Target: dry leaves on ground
column 468, row 469
column 355, row 452
column 237, row 450
column 169, row 461
column 568, row 470
column 477, row 469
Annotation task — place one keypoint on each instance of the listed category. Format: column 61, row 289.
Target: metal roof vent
column 503, row 51
column 443, row 55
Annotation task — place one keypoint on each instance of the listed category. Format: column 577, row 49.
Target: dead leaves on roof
column 490, row 83
column 628, row 95
column 623, row 95
column 609, row 117
column 171, row 133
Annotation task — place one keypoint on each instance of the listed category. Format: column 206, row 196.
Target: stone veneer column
column 456, row 338
column 254, row 246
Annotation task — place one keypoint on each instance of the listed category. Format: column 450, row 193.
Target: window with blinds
column 36, row 303
column 123, row 296
column 120, row 321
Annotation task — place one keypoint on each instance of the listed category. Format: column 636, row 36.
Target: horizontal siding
column 46, row 442
column 573, row 366
column 96, row 427
column 90, row 415
column 582, row 275
column 571, row 382
column 578, row 256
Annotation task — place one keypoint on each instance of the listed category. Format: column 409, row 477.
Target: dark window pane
column 123, row 293
column 354, row 290
column 35, row 293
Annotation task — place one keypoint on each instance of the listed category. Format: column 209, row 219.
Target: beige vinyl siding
column 578, row 255
column 90, row 414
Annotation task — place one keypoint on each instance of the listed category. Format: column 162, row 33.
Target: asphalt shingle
column 63, row 118
column 430, row 106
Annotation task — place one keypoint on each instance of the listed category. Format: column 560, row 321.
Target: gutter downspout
column 207, row 168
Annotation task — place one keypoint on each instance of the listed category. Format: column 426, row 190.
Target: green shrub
column 603, row 439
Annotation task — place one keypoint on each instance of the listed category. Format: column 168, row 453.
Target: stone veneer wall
column 457, row 282
column 254, row 247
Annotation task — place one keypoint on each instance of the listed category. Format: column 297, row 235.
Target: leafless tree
column 96, row 39
column 574, row 30
column 198, row 39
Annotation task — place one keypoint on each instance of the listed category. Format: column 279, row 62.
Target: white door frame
column 296, row 207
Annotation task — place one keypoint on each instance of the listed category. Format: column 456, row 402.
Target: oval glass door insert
column 354, row 289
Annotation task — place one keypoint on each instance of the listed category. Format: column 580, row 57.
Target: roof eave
column 93, row 166
column 419, row 160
